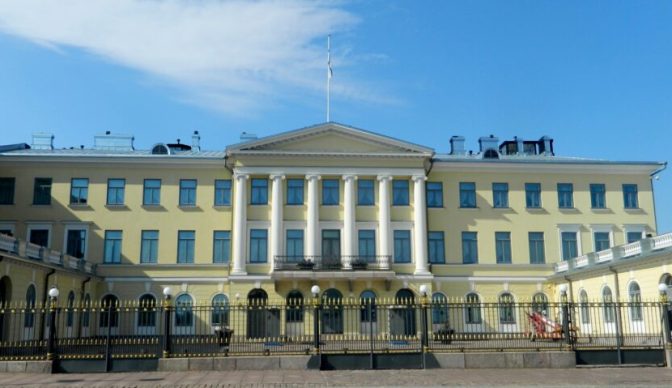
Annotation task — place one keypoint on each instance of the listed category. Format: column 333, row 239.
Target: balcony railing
column 35, row 252
column 331, row 263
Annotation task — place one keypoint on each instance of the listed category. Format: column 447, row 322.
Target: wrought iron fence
column 147, row 329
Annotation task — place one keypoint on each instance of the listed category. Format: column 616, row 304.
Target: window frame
column 500, row 195
column 112, row 246
column 532, row 195
column 436, row 247
column 533, row 257
column 261, row 244
column 152, row 191
column 222, row 191
column 630, row 196
column 503, row 254
column 331, row 192
column 186, row 241
column 187, row 196
column 221, row 243
column 82, row 191
column 366, row 245
column 402, row 246
column 400, row 192
column 468, row 195
column 8, row 190
column 472, row 248
column 565, row 195
column 119, row 192
column 598, row 196
column 153, row 242
column 366, row 196
column 258, row 191
column 295, row 191
column 434, row 194
column 42, row 191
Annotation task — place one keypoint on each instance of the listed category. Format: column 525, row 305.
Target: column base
column 422, row 272
column 238, row 273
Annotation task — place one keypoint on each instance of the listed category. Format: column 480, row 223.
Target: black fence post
column 166, row 323
column 566, row 318
column 425, row 330
column 51, row 338
column 108, row 338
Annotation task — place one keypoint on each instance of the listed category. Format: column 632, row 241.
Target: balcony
column 331, row 263
column 26, row 250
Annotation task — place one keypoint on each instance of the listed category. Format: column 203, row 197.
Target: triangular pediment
column 331, row 138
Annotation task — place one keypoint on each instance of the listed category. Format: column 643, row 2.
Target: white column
column 348, row 220
column 239, row 223
column 420, row 220
column 384, row 226
column 313, row 216
column 276, row 217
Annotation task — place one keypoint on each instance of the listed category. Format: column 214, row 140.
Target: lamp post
column 167, row 294
column 665, row 313
column 424, row 303
column 51, row 339
column 566, row 320
column 315, row 290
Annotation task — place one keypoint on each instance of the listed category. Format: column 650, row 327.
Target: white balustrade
column 562, row 266
column 632, row 249
column 33, row 251
column 662, row 241
column 7, row 243
column 605, row 255
column 581, row 261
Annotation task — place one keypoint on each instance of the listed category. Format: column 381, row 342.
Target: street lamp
column 665, row 312
column 423, row 290
column 167, row 292
column 315, row 290
column 53, row 293
column 51, row 336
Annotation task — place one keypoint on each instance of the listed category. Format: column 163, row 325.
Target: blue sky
column 596, row 76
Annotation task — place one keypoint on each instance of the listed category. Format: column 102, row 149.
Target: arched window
column 635, row 296
column 439, row 309
column 147, row 311
column 29, row 316
column 472, row 309
column 369, row 311
column 294, row 306
column 70, row 315
column 584, row 307
column 108, row 311
column 608, row 303
column 86, row 310
column 540, row 303
column 332, row 312
column 184, row 314
column 506, row 309
column 220, row 310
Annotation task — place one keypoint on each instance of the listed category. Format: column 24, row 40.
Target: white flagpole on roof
column 329, row 75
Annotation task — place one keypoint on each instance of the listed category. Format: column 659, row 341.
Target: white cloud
column 234, row 56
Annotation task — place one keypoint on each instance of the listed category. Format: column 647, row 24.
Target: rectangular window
column 437, row 250
column 634, row 236
column 151, row 192
column 76, row 243
column 602, row 241
column 42, row 191
column 434, row 194
column 533, row 195
column 569, row 245
column 400, row 192
column 186, row 240
column 367, row 245
column 188, row 192
column 467, row 194
column 79, row 191
column 597, row 196
column 258, row 245
column 149, row 246
column 500, row 195
column 221, row 246
column 365, row 196
column 294, row 191
column 537, row 250
column 330, row 192
column 112, row 248
column 222, row 192
column 565, row 195
column 259, row 195
column 469, row 248
column 630, row 196
column 7, row 191
column 39, row 237
column 503, row 247
column 115, row 191
column 402, row 246
column 294, row 248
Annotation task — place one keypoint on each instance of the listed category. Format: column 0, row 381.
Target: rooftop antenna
column 330, row 74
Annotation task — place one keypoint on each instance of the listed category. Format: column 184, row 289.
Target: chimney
column 520, row 148
column 196, row 142
column 42, row 141
column 487, row 143
column 247, row 136
column 547, row 144
column 457, row 145
column 110, row 142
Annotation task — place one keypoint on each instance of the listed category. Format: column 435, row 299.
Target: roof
column 88, row 152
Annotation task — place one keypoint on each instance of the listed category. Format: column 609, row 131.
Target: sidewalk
column 630, row 377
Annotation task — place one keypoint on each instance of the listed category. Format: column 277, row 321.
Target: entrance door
column 256, row 313
column 331, row 249
column 402, row 317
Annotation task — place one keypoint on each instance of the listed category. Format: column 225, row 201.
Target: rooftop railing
column 34, row 252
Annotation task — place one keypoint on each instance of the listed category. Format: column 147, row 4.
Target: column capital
column 310, row 177
column 348, row 177
column 240, row 175
column 419, row 178
column 384, row 177
column 277, row 177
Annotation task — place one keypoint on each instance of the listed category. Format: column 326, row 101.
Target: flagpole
column 328, row 75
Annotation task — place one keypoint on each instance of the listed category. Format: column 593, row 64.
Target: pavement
column 581, row 377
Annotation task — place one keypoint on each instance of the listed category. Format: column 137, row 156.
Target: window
column 584, row 307
column 540, row 304
column 112, row 250
column 469, row 248
column 537, row 251
column 439, row 309
column 569, row 245
column 29, row 316
column 149, row 246
column 434, row 194
column 188, row 192
column 79, row 191
column 597, row 196
column 330, row 192
column 503, row 247
column 369, row 312
column 402, row 246
column 437, row 254
column 220, row 310
column 506, row 309
column 635, row 295
column 294, row 191
column 472, row 309
column 609, row 309
column 602, row 241
column 147, row 311
column 109, row 315
column 7, row 191
column 258, row 245
column 467, row 194
column 39, row 237
column 294, row 248
column 367, row 245
column 222, row 192
column 500, row 195
column 115, row 191
column 294, row 307
column 151, row 192
column 634, row 236
column 76, row 243
column 221, row 246
column 184, row 314
column 533, row 195
column 42, row 191
column 70, row 310
column 185, row 246
column 400, row 192
column 565, row 195
column 630, row 196
column 365, row 196
column 86, row 311
column 259, row 191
